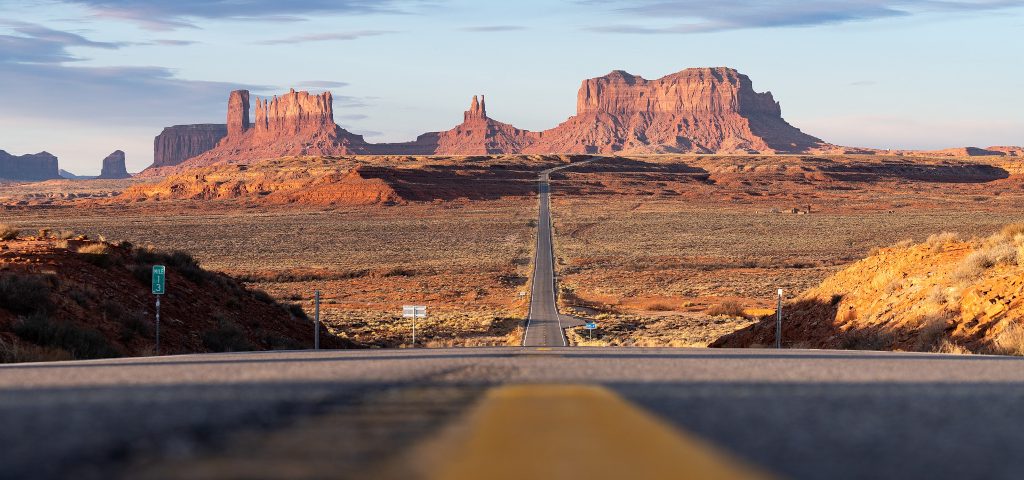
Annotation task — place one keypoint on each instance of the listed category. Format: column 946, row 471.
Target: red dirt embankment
column 77, row 298
column 945, row 294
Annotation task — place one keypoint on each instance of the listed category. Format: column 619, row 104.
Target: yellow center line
column 571, row 431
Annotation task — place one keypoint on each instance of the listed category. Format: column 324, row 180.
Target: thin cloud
column 174, row 43
column 698, row 16
column 325, row 37
column 32, row 43
column 494, row 28
column 323, row 84
column 171, row 15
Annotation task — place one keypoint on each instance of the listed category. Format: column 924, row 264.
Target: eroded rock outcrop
column 293, row 124
column 697, row 110
column 29, row 167
column 114, row 167
column 182, row 142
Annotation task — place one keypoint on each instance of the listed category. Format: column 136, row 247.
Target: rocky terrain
column 113, row 167
column 30, row 167
column 64, row 296
column 182, row 142
column 698, row 110
column 949, row 293
column 347, row 181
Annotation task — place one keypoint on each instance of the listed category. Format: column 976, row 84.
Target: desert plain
column 660, row 250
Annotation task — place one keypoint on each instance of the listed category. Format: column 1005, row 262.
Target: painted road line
column 571, row 431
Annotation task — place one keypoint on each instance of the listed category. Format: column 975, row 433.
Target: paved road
column 347, row 414
column 544, row 325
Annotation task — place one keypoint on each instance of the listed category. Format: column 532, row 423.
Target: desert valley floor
column 661, row 250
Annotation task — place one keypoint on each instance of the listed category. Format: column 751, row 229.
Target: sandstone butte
column 182, row 142
column 32, row 167
column 699, row 110
column 114, row 167
column 946, row 294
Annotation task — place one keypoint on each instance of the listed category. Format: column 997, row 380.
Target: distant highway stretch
column 544, row 325
column 516, row 413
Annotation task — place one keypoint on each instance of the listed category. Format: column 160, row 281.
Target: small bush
column 296, row 311
column 65, row 234
column 25, row 294
column 865, row 340
column 948, row 347
column 96, row 253
column 659, row 307
column 728, row 308
column 931, row 334
column 1010, row 341
column 8, row 232
column 227, row 337
column 938, row 241
column 15, row 352
column 82, row 343
column 1012, row 230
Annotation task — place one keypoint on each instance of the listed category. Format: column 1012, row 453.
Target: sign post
column 778, row 322
column 316, row 321
column 414, row 312
column 590, row 326
column 159, row 288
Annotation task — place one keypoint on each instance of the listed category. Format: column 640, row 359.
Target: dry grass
column 8, row 232
column 466, row 262
column 726, row 309
column 1010, row 341
column 94, row 249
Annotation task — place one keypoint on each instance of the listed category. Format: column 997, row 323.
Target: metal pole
column 316, row 321
column 158, row 324
column 778, row 322
column 414, row 329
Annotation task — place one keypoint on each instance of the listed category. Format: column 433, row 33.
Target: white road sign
column 414, row 311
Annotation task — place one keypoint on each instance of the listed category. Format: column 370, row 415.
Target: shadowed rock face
column 30, row 167
column 113, row 166
column 699, row 110
column 181, row 142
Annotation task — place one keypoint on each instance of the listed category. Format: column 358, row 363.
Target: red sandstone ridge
column 698, row 110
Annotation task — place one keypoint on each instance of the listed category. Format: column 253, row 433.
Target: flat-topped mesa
column 477, row 110
column 29, row 167
column 697, row 110
column 182, row 142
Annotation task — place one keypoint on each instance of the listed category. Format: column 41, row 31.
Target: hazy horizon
column 86, row 77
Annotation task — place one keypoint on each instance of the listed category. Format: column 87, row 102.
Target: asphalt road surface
column 516, row 413
column 544, row 325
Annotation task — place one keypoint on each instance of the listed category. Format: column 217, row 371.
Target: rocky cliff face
column 698, row 110
column 181, row 142
column 113, row 166
column 31, row 167
column 296, row 123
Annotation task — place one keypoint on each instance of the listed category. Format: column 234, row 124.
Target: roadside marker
column 316, row 320
column 159, row 287
column 590, row 326
column 414, row 312
column 778, row 322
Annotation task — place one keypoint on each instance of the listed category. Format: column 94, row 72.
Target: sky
column 82, row 78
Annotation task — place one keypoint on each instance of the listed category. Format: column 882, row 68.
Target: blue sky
column 81, row 78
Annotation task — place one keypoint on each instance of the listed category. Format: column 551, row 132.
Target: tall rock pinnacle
column 238, row 112
column 477, row 110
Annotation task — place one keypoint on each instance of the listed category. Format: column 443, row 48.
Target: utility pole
column 778, row 322
column 316, row 320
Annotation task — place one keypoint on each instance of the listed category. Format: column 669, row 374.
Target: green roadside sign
column 159, row 280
